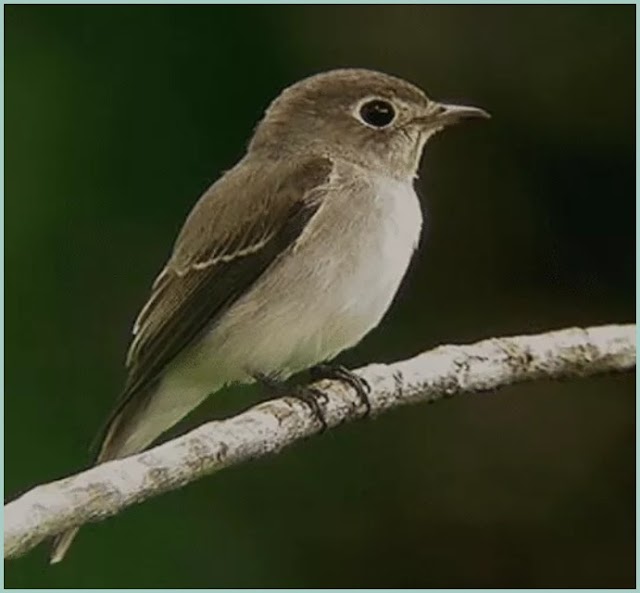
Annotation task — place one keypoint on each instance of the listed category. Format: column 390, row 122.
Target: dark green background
column 118, row 117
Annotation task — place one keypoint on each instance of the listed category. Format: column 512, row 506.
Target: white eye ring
column 376, row 112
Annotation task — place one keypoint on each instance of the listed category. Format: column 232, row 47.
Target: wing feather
column 239, row 227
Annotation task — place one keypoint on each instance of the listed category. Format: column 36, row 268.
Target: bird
column 291, row 257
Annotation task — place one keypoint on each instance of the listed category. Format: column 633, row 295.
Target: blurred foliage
column 117, row 117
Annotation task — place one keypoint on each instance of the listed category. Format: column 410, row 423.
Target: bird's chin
column 429, row 133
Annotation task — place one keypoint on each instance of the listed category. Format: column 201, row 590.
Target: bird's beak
column 452, row 114
column 442, row 114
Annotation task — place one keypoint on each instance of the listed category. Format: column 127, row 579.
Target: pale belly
column 328, row 294
column 324, row 297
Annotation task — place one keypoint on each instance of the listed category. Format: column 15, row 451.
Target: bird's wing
column 237, row 229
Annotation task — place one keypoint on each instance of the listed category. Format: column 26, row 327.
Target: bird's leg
column 340, row 373
column 307, row 395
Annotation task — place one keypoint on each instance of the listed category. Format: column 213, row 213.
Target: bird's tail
column 134, row 425
column 61, row 543
column 116, row 443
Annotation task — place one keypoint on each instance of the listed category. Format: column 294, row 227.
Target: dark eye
column 377, row 113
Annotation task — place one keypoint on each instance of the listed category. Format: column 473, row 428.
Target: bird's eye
column 377, row 113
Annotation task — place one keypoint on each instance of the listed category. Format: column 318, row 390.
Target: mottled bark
column 268, row 427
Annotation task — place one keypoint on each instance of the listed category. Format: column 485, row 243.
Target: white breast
column 351, row 275
column 327, row 294
column 399, row 227
column 393, row 232
column 324, row 297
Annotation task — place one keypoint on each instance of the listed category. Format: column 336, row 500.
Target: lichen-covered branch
column 268, row 427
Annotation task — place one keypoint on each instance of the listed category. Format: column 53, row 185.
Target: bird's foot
column 312, row 397
column 307, row 395
column 340, row 373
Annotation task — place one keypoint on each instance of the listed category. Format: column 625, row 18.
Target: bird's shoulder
column 246, row 207
column 239, row 225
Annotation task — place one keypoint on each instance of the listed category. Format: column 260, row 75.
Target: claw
column 340, row 373
column 307, row 395
column 310, row 397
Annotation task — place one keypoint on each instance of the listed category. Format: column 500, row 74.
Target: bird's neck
column 383, row 165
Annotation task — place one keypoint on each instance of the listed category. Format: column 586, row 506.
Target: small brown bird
column 292, row 256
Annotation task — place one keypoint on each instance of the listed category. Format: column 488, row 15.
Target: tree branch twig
column 107, row 489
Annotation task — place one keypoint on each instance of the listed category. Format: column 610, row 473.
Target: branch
column 270, row 426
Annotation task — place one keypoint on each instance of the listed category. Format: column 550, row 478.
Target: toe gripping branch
column 340, row 373
column 311, row 396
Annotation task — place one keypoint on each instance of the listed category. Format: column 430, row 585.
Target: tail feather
column 113, row 446
column 61, row 543
column 133, row 427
